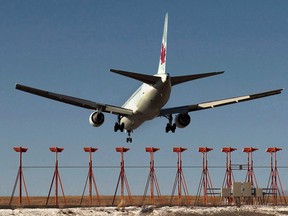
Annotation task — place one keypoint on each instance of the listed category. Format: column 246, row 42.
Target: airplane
column 148, row 100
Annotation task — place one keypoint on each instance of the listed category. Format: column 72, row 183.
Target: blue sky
column 69, row 47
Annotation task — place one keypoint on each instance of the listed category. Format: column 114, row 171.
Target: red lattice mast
column 56, row 178
column 180, row 182
column 122, row 178
column 20, row 178
column 229, row 176
column 274, row 183
column 91, row 178
column 152, row 178
column 250, row 176
column 205, row 180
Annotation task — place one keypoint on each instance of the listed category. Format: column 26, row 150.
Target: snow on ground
column 167, row 211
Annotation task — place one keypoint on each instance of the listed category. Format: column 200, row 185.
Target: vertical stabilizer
column 163, row 53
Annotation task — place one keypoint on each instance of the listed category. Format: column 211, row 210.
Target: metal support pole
column 180, row 179
column 91, row 178
column 229, row 176
column 56, row 177
column 275, row 188
column 250, row 176
column 122, row 179
column 152, row 179
column 20, row 178
column 205, row 180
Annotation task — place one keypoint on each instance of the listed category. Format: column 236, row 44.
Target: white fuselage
column 147, row 102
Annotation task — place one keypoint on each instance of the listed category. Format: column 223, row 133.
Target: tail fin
column 162, row 61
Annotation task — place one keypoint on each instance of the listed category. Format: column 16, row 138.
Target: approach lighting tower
column 250, row 176
column 205, row 180
column 229, row 177
column 122, row 179
column 152, row 178
column 20, row 178
column 91, row 178
column 180, row 182
column 274, row 183
column 56, row 177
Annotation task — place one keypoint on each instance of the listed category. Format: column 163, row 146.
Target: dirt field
column 75, row 201
column 106, row 201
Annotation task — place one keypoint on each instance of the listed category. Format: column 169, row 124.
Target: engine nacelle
column 182, row 120
column 96, row 119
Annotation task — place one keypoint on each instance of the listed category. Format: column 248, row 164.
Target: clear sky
column 69, row 47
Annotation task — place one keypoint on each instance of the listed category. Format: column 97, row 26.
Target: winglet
column 163, row 53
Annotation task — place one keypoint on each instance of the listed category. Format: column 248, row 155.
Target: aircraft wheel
column 168, row 127
column 116, row 127
column 129, row 139
column 122, row 127
column 173, row 128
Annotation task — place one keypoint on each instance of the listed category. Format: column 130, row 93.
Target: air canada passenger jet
column 148, row 101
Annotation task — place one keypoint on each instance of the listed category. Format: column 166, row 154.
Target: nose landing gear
column 129, row 138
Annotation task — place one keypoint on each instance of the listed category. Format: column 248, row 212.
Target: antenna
column 20, row 177
column 56, row 177
column 91, row 177
column 180, row 182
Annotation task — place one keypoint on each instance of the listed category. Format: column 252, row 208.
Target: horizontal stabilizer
column 140, row 77
column 180, row 79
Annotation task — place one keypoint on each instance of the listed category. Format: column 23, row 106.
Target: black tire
column 173, row 128
column 168, row 128
column 116, row 127
column 122, row 127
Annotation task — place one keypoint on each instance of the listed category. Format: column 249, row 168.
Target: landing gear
column 129, row 138
column 170, row 126
column 119, row 126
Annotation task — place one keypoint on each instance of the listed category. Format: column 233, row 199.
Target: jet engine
column 182, row 120
column 96, row 119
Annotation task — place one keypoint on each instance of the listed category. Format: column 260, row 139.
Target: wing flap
column 75, row 101
column 217, row 103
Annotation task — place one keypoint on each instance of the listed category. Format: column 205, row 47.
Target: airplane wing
column 76, row 101
column 217, row 103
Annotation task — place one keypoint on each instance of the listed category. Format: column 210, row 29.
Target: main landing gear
column 120, row 126
column 170, row 126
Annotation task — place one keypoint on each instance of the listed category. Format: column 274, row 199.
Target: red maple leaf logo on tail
column 163, row 54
